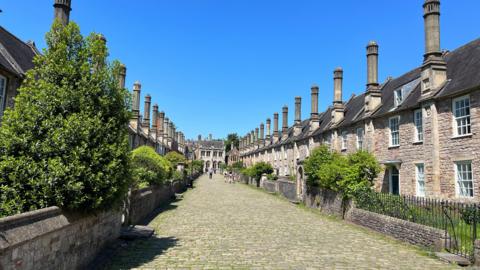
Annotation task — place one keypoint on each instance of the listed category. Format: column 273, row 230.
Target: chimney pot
column 338, row 85
column 298, row 110
column 284, row 120
column 62, row 10
column 372, row 64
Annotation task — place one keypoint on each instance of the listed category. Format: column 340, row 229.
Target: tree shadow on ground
column 169, row 206
column 140, row 252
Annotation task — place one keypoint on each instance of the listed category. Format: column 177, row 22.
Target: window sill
column 461, row 136
column 419, row 142
column 393, row 146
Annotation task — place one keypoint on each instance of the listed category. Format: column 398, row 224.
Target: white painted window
column 398, row 97
column 344, row 140
column 420, row 176
column 360, row 135
column 394, row 124
column 418, row 121
column 461, row 113
column 3, row 88
column 464, row 178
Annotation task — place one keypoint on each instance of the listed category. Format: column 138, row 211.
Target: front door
column 394, row 181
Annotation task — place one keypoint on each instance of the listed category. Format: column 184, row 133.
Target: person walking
column 210, row 173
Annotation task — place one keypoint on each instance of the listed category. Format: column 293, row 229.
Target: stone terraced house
column 211, row 151
column 423, row 126
column 16, row 58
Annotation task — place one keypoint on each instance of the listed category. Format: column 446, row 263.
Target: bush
column 65, row 142
column 257, row 170
column 149, row 167
column 272, row 177
column 175, row 158
column 346, row 174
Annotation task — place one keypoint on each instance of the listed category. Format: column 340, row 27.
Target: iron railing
column 458, row 220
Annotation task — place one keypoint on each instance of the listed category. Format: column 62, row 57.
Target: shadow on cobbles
column 164, row 208
column 141, row 252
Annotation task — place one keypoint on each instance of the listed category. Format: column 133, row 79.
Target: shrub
column 65, row 143
column 149, row 167
column 272, row 177
column 346, row 174
column 257, row 170
column 175, row 158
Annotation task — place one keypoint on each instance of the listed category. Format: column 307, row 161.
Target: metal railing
column 458, row 220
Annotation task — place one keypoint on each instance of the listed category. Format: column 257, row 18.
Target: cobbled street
column 232, row 226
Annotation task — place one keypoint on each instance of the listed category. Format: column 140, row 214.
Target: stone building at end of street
column 211, row 151
column 152, row 129
column 423, row 126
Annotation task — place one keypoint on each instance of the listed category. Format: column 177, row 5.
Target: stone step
column 136, row 232
column 453, row 258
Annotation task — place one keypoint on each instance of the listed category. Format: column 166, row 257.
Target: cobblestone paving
column 232, row 226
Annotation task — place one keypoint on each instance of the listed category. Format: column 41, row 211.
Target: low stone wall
column 144, row 201
column 287, row 188
column 50, row 239
column 327, row 201
column 406, row 231
column 270, row 186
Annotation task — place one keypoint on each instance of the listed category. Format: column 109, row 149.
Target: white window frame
column 418, row 123
column 398, row 97
column 344, row 140
column 360, row 139
column 420, row 177
column 458, row 187
column 397, row 132
column 467, row 117
column 3, row 93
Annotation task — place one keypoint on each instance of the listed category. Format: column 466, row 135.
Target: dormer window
column 398, row 97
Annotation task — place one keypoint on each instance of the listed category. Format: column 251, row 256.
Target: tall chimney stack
column 257, row 137
column 160, row 119
column 298, row 116
column 146, row 113
column 137, row 87
column 434, row 69
column 122, row 75
column 284, row 122
column 210, row 137
column 62, row 10
column 252, row 137
column 314, row 119
column 338, row 106
column 154, row 120
column 269, row 122
column 275, row 127
column 373, row 96
column 262, row 134
column 199, row 138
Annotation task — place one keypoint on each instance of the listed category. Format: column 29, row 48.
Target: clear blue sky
column 221, row 66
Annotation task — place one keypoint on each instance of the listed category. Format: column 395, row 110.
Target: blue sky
column 221, row 66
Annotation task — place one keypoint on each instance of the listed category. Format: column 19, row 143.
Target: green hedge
column 149, row 168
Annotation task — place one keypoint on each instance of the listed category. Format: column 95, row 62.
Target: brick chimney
column 314, row 119
column 284, row 122
column 298, row 116
column 257, row 137
column 338, row 106
column 373, row 96
column 262, row 134
column 62, row 10
column 275, row 127
column 252, row 138
column 434, row 68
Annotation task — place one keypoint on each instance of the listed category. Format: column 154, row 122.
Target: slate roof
column 16, row 56
column 211, row 144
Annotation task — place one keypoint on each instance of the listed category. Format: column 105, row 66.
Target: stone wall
column 327, row 201
column 270, row 186
column 50, row 239
column 406, row 231
column 145, row 200
column 287, row 188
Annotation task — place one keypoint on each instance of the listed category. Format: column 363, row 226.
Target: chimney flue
column 62, row 10
column 154, row 117
column 146, row 113
column 122, row 75
column 262, row 131
column 298, row 110
column 137, row 88
column 372, row 64
column 161, row 118
column 268, row 128
column 338, row 85
column 314, row 97
column 275, row 126
column 284, row 121
column 431, row 16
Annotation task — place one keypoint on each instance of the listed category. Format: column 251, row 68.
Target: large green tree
column 65, row 142
column 231, row 141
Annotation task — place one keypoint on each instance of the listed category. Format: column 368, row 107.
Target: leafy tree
column 313, row 164
column 231, row 141
column 65, row 141
column 149, row 168
column 197, row 166
column 257, row 170
column 175, row 158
